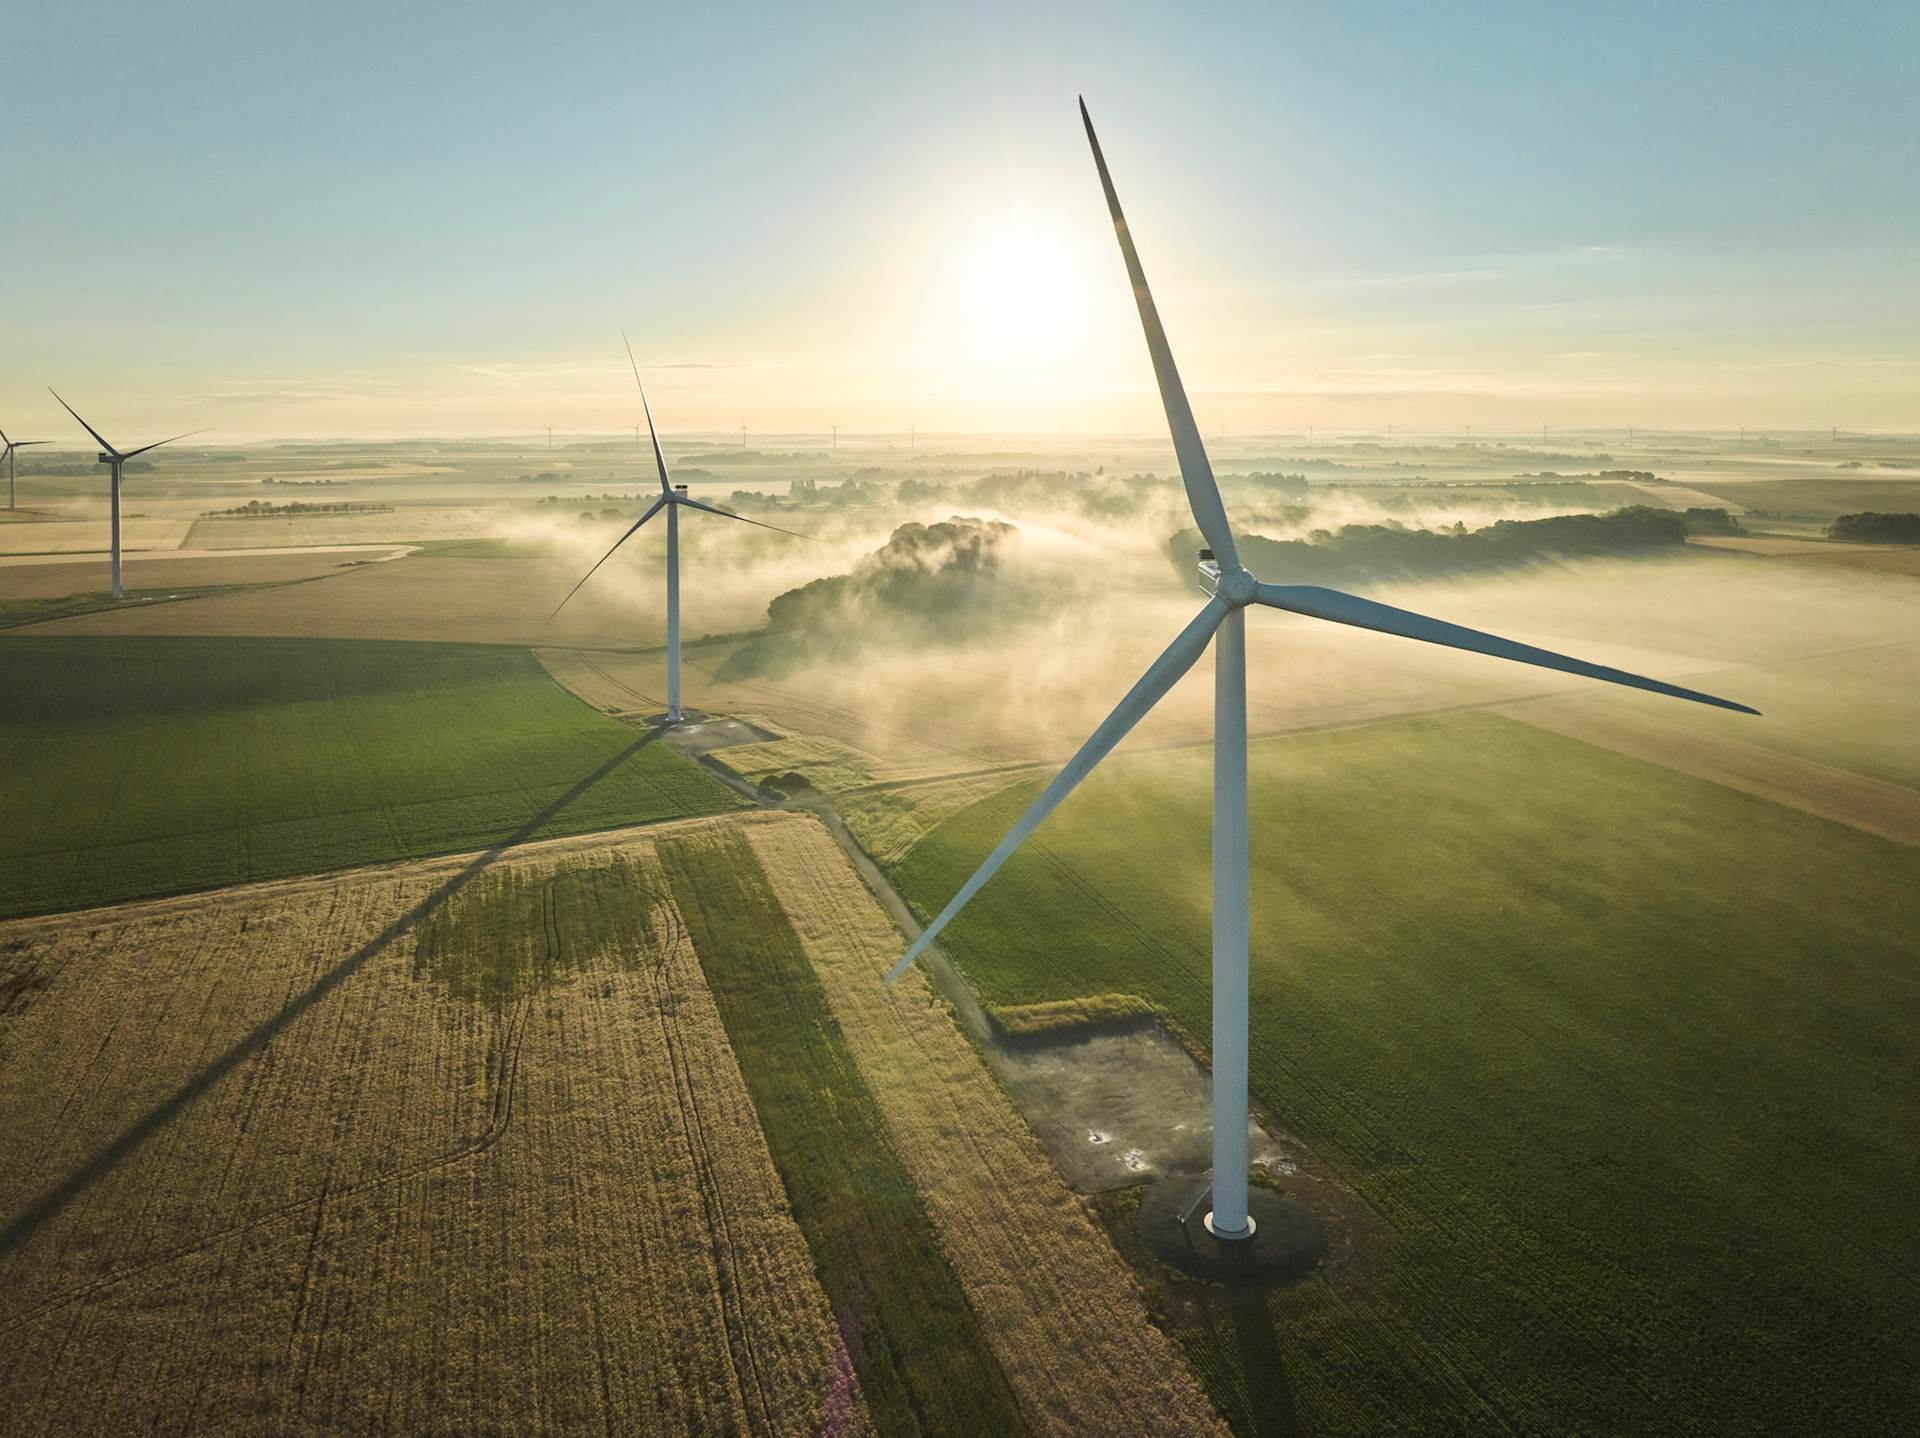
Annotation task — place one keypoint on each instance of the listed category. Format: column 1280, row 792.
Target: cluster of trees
column 926, row 576
column 1361, row 552
column 1701, row 520
column 1618, row 476
column 266, row 508
column 1872, row 528
column 1097, row 495
column 851, row 491
column 927, row 583
column 585, row 499
column 32, row 464
column 1292, row 485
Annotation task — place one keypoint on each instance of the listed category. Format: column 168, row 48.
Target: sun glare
column 1016, row 293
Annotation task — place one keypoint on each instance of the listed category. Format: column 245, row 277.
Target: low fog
column 1075, row 605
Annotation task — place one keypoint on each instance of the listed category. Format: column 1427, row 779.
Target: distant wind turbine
column 111, row 456
column 673, row 497
column 836, row 435
column 549, row 439
column 743, row 434
column 10, row 445
column 1230, row 589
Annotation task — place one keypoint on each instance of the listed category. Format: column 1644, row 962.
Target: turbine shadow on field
column 21, row 1228
column 1261, row 1360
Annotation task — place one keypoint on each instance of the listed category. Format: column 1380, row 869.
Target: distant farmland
column 1621, row 1062
column 133, row 767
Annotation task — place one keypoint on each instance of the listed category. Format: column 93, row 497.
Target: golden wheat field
column 456, row 1147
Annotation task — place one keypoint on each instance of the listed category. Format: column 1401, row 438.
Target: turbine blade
column 23, row 443
column 657, row 506
column 1342, row 608
column 83, row 424
column 725, row 514
column 659, row 459
column 1196, row 472
column 158, row 442
column 1151, row 687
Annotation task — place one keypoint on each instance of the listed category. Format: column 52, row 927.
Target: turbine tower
column 111, row 456
column 836, row 435
column 1222, row 622
column 7, row 447
column 673, row 497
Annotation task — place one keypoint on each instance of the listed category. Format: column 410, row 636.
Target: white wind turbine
column 116, row 458
column 1231, row 589
column 672, row 498
column 7, row 447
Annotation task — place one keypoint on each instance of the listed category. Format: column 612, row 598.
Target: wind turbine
column 116, row 458
column 673, row 497
column 1230, row 589
column 9, row 446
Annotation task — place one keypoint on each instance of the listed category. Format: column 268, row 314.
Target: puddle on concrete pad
column 702, row 736
column 1116, row 1108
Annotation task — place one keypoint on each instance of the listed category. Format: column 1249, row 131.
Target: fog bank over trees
column 1872, row 528
column 1358, row 553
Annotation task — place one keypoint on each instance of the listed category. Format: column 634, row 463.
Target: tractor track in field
column 500, row 1117
column 647, row 700
column 723, row 1253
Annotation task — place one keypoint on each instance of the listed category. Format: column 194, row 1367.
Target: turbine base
column 1284, row 1242
column 1246, row 1232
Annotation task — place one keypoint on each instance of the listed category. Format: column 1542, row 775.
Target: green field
column 916, row 1343
column 1616, row 1064
column 135, row 767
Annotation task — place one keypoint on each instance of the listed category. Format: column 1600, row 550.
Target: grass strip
column 917, row 1347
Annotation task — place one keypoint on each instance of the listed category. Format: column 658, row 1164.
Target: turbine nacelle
column 672, row 496
column 1235, row 586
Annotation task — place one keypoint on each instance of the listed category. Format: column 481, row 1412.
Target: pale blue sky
column 416, row 219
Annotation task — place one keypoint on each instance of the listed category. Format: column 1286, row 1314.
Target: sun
column 1016, row 288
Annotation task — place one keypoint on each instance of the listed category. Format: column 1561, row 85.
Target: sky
column 412, row 219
